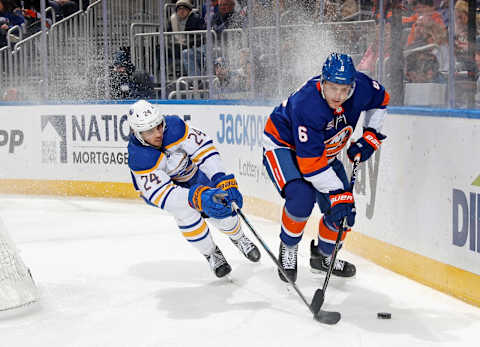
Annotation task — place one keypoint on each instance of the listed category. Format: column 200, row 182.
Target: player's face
column 154, row 136
column 335, row 94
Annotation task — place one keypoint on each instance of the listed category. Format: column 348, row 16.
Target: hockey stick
column 319, row 297
column 327, row 317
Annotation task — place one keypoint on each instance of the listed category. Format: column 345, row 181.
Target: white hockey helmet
column 142, row 116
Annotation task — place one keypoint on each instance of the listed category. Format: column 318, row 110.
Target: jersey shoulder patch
column 175, row 131
column 142, row 158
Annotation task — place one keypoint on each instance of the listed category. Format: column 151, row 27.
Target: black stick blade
column 317, row 301
column 327, row 317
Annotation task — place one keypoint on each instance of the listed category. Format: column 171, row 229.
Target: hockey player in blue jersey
column 302, row 139
column 177, row 168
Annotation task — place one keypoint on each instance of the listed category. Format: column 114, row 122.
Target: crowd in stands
column 425, row 26
column 26, row 14
column 425, row 34
column 425, row 41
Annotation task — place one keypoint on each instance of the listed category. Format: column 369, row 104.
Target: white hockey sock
column 206, row 246
column 197, row 233
column 229, row 226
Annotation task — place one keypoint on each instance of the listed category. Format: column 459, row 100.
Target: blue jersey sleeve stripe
column 199, row 148
column 166, row 197
column 208, row 156
column 135, row 185
column 156, row 190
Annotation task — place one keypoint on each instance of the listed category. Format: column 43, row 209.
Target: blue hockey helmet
column 339, row 68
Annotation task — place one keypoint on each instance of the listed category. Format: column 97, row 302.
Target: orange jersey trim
column 277, row 172
column 272, row 130
column 309, row 165
column 386, row 99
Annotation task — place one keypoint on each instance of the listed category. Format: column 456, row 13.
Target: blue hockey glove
column 212, row 201
column 229, row 184
column 342, row 205
column 366, row 145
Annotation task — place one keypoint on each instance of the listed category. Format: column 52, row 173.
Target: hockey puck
column 384, row 315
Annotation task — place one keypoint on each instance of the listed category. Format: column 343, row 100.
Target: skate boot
column 248, row 248
column 287, row 257
column 320, row 263
column 218, row 263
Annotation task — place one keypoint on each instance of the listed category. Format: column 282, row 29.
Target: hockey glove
column 212, row 201
column 366, row 145
column 342, row 205
column 229, row 184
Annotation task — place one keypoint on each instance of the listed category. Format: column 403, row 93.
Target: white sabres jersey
column 163, row 175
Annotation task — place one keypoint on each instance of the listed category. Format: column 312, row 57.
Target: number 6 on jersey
column 302, row 134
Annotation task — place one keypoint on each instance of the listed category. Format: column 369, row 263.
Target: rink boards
column 418, row 199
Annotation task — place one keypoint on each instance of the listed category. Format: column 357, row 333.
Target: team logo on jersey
column 335, row 144
column 330, row 125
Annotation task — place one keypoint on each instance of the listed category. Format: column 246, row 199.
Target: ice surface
column 119, row 273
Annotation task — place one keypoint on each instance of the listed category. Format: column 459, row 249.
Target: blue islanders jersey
column 306, row 124
column 187, row 157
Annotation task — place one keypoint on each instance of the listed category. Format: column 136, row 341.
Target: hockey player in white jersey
column 177, row 168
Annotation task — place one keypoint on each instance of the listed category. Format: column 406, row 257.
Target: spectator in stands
column 213, row 9
column 430, row 32
column 227, row 80
column 477, row 62
column 412, row 69
column 64, row 8
column 431, row 69
column 349, row 9
column 425, row 10
column 368, row 63
column 461, row 28
column 10, row 15
column 262, row 13
column 185, row 18
column 423, row 67
column 125, row 82
column 227, row 17
column 11, row 94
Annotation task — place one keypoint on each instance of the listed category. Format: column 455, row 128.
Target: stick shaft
column 341, row 229
column 272, row 256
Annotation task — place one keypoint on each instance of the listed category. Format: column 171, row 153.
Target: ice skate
column 287, row 257
column 218, row 263
column 320, row 263
column 248, row 248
